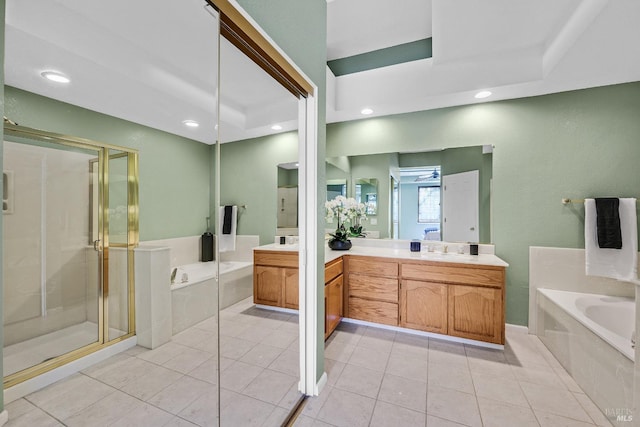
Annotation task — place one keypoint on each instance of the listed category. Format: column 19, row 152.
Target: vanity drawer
column 274, row 258
column 373, row 311
column 373, row 287
column 332, row 270
column 454, row 274
column 373, row 266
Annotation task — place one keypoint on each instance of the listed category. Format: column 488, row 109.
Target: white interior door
column 460, row 201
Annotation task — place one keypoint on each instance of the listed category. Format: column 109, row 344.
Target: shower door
column 62, row 279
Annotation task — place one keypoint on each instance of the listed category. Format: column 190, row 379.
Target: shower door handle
column 96, row 245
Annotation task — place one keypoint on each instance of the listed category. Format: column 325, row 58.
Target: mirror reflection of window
column 420, row 195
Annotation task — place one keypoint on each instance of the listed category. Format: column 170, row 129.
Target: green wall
column 174, row 171
column 574, row 144
column 299, row 27
column 249, row 176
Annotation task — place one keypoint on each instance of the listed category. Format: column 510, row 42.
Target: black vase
column 339, row 245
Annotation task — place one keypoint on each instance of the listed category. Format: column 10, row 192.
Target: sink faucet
column 445, row 249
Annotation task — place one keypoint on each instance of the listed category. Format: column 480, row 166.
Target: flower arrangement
column 345, row 210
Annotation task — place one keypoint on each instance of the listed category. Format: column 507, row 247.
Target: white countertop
column 399, row 253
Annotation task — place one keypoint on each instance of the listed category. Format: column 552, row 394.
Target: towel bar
column 566, row 201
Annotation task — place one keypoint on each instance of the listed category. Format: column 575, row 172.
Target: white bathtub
column 193, row 293
column 611, row 318
column 590, row 335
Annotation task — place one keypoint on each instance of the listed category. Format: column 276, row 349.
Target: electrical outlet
column 374, row 221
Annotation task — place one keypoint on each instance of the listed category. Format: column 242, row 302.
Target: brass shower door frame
column 102, row 245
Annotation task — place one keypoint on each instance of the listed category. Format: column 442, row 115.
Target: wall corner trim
column 319, row 385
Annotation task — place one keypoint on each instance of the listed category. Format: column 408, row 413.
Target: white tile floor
column 383, row 378
column 176, row 384
column 375, row 378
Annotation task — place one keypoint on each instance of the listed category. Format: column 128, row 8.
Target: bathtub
column 194, row 289
column 590, row 335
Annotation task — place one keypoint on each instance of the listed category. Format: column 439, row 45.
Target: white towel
column 227, row 242
column 621, row 264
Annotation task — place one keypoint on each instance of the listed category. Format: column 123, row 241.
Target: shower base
column 34, row 351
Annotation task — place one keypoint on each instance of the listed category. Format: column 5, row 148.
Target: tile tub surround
column 186, row 250
column 155, row 320
column 604, row 373
column 564, row 269
column 202, row 296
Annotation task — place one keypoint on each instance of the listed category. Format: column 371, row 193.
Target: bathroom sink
column 447, row 256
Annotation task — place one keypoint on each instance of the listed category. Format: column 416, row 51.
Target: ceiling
column 153, row 62
column 512, row 48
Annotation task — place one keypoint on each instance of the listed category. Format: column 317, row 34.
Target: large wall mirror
column 201, row 146
column 432, row 195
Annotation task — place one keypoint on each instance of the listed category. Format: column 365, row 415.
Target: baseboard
column 518, row 329
column 274, row 308
column 320, row 384
column 426, row 334
column 4, row 417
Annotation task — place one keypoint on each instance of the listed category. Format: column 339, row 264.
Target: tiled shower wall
column 50, row 193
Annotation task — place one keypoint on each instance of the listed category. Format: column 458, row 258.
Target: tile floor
column 385, row 378
column 176, row 384
column 376, row 377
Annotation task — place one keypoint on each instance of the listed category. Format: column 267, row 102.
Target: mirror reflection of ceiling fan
column 428, row 177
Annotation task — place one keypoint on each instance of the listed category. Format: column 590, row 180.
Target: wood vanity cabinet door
column 333, row 305
column 291, row 287
column 476, row 313
column 267, row 285
column 423, row 306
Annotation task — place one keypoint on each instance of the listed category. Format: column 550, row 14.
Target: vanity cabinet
column 276, row 281
column 275, row 278
column 372, row 291
column 423, row 306
column 450, row 298
column 477, row 313
column 333, row 289
column 456, row 299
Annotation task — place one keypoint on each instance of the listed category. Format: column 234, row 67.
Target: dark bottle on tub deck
column 473, row 249
column 206, row 246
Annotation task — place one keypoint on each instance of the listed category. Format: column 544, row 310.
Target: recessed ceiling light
column 55, row 76
column 191, row 123
column 276, row 127
column 366, row 111
column 483, row 94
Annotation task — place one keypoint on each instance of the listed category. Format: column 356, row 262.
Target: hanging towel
column 608, row 223
column 621, row 264
column 226, row 223
column 227, row 231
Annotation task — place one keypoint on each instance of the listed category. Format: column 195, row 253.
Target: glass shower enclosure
column 70, row 210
